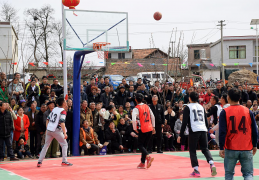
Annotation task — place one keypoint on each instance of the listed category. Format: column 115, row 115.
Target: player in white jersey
column 195, row 117
column 56, row 129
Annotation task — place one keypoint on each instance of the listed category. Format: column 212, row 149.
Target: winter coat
column 171, row 118
column 17, row 88
column 158, row 113
column 6, row 124
column 252, row 96
column 113, row 137
column 4, row 95
column 39, row 123
column 88, row 137
column 177, row 127
column 34, row 93
column 208, row 97
column 105, row 99
column 131, row 99
column 57, row 88
column 121, row 98
column 178, row 98
column 86, row 114
column 92, row 98
column 17, row 127
column 83, row 97
column 29, row 114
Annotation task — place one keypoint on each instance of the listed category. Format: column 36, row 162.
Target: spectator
column 45, row 95
column 121, row 111
column 218, row 91
column 223, row 87
column 139, row 82
column 40, row 127
column 170, row 117
column 236, row 84
column 44, row 83
column 56, row 88
column 100, row 83
column 249, row 104
column 106, row 83
column 95, row 115
column 88, row 139
column 32, row 129
column 186, row 97
column 13, row 105
column 105, row 97
column 93, row 96
column 158, row 112
column 16, row 89
column 154, row 91
column 53, row 96
column 255, row 110
column 178, row 96
column 121, row 97
column 69, row 105
column 252, row 95
column 102, row 114
column 144, row 92
column 6, row 127
column 122, row 128
column 86, row 113
column 177, row 129
column 89, row 87
column 132, row 138
column 113, row 136
column 128, row 109
column 33, row 93
column 4, row 92
column 21, row 126
column 22, row 149
column 244, row 96
column 208, row 96
column 83, row 96
column 3, row 76
column 215, row 110
column 201, row 96
column 131, row 97
column 167, row 93
column 168, row 137
column 84, row 85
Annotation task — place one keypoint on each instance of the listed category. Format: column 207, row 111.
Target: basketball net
column 102, row 49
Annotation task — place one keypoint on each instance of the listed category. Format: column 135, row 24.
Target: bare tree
column 10, row 14
column 57, row 28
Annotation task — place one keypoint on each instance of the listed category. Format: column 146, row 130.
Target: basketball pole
column 64, row 53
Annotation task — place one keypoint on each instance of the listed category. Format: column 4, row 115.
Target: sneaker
column 129, row 150
column 167, row 149
column 39, row 164
column 195, row 173
column 172, row 149
column 66, row 164
column 149, row 161
column 141, row 166
column 134, row 151
column 238, row 163
column 213, row 170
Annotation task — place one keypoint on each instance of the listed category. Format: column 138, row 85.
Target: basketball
column 157, row 16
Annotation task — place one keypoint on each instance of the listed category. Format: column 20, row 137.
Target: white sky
column 188, row 15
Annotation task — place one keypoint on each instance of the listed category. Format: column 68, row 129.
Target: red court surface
column 164, row 166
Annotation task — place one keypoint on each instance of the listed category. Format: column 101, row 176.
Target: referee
column 237, row 136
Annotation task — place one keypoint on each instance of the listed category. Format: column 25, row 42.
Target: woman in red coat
column 21, row 125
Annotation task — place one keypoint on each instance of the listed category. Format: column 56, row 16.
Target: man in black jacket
column 121, row 97
column 6, row 126
column 105, row 97
column 112, row 135
column 218, row 91
column 244, row 95
column 57, row 88
column 40, row 127
column 251, row 94
column 144, row 92
column 186, row 97
column 158, row 112
column 131, row 97
column 213, row 111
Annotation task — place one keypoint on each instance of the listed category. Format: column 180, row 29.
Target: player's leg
column 159, row 138
column 141, row 145
column 48, row 140
column 59, row 136
column 193, row 142
column 246, row 161
column 148, row 137
column 230, row 160
column 203, row 141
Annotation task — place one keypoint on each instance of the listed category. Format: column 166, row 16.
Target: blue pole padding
column 76, row 100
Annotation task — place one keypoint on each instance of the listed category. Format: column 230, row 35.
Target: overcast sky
column 199, row 17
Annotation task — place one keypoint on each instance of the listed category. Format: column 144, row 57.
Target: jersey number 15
column 199, row 117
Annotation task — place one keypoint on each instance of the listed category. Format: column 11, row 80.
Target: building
column 199, row 61
column 238, row 52
column 152, row 60
column 8, row 48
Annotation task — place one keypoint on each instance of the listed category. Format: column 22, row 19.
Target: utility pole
column 167, row 62
column 222, row 60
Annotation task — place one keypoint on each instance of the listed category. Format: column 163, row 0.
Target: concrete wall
column 191, row 53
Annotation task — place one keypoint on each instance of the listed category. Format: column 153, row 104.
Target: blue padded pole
column 76, row 101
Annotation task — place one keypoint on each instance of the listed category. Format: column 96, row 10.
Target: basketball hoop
column 102, row 49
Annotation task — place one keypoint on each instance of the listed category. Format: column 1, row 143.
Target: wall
column 191, row 52
column 114, row 55
column 210, row 74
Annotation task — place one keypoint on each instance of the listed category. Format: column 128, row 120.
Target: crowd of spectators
column 105, row 114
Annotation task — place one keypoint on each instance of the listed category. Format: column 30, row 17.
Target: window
column 237, row 52
column 109, row 55
column 148, row 75
column 121, row 55
column 155, row 75
column 196, row 54
column 257, row 51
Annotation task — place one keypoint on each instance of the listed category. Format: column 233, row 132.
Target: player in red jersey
column 146, row 128
column 237, row 136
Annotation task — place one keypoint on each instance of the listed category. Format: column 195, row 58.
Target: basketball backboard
column 83, row 28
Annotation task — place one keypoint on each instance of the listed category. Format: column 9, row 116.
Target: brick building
column 153, row 60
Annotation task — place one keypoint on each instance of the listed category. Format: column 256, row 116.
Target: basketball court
column 170, row 165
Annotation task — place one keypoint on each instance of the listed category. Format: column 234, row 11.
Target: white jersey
column 218, row 112
column 53, row 118
column 197, row 119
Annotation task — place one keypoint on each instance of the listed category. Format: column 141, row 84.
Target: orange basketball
column 157, row 16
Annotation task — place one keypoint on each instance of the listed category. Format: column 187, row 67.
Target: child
column 177, row 129
column 22, row 149
column 168, row 137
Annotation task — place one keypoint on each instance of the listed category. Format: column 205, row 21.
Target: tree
column 57, row 28
column 9, row 14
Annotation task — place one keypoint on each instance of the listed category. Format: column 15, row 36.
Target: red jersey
column 144, row 118
column 239, row 128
